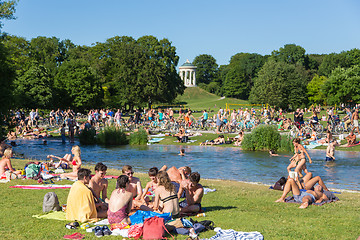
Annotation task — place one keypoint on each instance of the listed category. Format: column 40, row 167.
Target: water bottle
column 200, row 215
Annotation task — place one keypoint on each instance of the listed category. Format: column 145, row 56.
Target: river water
column 210, row 162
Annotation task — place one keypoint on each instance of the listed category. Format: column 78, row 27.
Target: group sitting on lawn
column 84, row 202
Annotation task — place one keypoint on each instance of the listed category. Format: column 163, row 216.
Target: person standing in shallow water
column 298, row 160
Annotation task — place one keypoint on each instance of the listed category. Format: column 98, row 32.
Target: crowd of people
column 88, row 198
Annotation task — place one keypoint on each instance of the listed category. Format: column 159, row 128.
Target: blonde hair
column 8, row 153
column 76, row 150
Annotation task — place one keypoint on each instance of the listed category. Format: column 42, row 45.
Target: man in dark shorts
column 193, row 194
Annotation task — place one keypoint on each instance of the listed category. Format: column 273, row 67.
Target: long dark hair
column 165, row 181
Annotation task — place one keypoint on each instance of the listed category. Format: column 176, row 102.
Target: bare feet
column 304, row 205
column 280, row 200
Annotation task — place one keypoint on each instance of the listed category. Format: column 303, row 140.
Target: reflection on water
column 210, row 162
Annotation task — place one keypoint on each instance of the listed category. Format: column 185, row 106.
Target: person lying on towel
column 305, row 198
column 80, row 202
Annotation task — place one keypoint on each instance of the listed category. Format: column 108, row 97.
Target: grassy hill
column 198, row 99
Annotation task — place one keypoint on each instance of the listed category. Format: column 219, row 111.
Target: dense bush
column 111, row 136
column 286, row 144
column 266, row 137
column 87, row 136
column 138, row 138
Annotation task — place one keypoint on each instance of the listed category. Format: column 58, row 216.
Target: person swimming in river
column 182, row 152
column 298, row 160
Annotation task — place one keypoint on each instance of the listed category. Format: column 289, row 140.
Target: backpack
column 153, row 228
column 32, row 170
column 51, row 202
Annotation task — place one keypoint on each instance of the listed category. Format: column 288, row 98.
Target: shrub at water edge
column 87, row 136
column 111, row 136
column 139, row 137
column 263, row 137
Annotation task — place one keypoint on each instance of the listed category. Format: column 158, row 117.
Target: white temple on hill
column 188, row 74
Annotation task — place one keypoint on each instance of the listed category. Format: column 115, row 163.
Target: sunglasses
column 130, row 173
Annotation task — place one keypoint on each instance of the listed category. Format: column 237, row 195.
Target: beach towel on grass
column 39, row 187
column 59, row 215
column 139, row 216
column 234, row 235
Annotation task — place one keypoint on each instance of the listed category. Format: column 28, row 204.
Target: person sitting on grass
column 217, row 141
column 193, row 194
column 99, row 186
column 120, row 202
column 69, row 160
column 6, row 168
column 166, row 194
column 80, row 202
column 180, row 134
column 305, row 198
column 150, row 186
column 351, row 138
column 134, row 186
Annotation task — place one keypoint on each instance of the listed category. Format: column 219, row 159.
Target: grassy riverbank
column 236, row 205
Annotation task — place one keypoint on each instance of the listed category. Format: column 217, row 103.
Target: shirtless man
column 355, row 121
column 134, row 186
column 330, row 151
column 351, row 139
column 99, row 186
column 194, row 193
column 305, row 198
column 5, row 164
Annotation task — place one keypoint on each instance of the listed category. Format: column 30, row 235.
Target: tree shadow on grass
column 217, row 208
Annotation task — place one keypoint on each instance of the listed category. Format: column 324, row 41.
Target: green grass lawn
column 196, row 98
column 235, row 205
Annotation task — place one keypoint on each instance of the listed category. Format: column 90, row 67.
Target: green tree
column 241, row 71
column 141, row 71
column 7, row 72
column 18, row 50
column 330, row 62
column 7, row 10
column 207, row 68
column 279, row 84
column 292, row 54
column 77, row 86
column 343, row 86
column 34, row 87
column 314, row 88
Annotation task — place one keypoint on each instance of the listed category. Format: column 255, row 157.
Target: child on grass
column 150, row 186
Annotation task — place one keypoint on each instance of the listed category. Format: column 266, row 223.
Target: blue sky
column 219, row 28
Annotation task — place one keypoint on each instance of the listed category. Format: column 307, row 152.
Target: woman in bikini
column 120, row 202
column 69, row 160
column 298, row 160
column 166, row 200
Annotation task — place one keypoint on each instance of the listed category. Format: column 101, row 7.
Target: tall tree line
column 121, row 72
column 287, row 78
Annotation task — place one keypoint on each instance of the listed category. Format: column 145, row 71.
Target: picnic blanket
column 155, row 140
column 59, row 215
column 231, row 234
column 330, row 196
column 38, row 187
column 139, row 216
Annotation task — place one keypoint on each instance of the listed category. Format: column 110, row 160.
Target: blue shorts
column 329, row 159
column 183, row 204
column 298, row 198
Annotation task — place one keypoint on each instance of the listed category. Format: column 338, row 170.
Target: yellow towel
column 80, row 203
